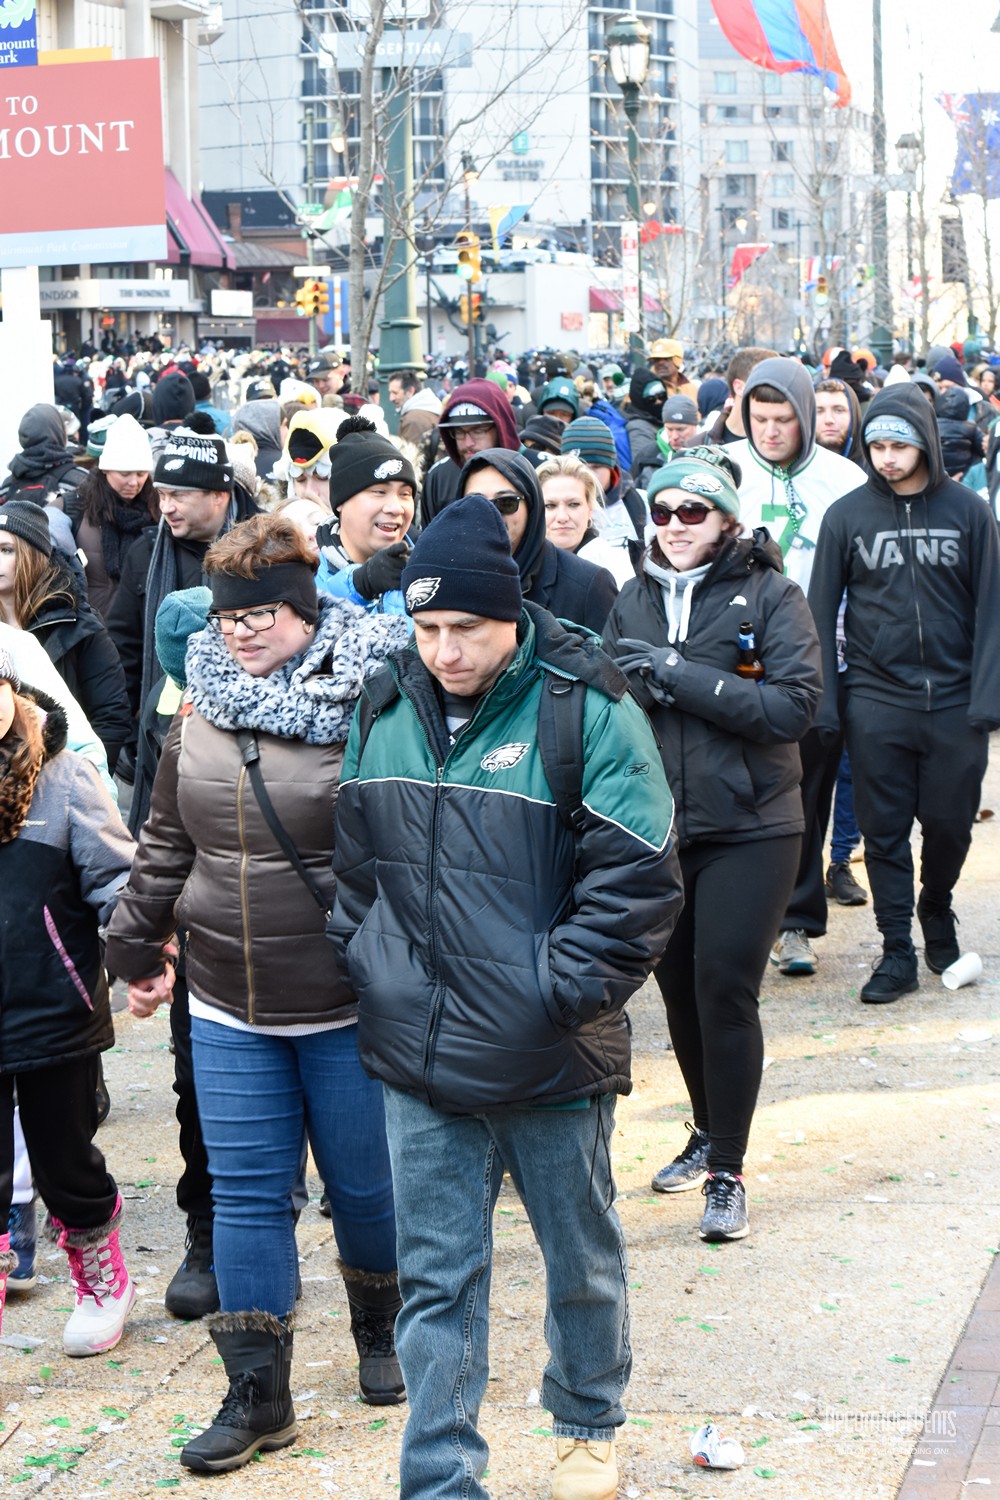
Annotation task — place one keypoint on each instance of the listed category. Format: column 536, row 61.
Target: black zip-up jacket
column 922, row 574
column 729, row 745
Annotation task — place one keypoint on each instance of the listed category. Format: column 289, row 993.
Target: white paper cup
column 965, row 970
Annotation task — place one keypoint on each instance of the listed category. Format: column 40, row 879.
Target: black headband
column 293, row 582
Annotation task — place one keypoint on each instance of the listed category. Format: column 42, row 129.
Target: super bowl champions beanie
column 193, row 461
column 463, row 561
column 360, row 458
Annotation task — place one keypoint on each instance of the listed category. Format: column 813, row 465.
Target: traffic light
column 469, row 264
column 476, row 301
column 303, row 300
column 822, row 296
column 322, row 296
column 463, row 307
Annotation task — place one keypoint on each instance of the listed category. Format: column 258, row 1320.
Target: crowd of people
column 396, row 756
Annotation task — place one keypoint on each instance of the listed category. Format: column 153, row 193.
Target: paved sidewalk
column 832, row 1343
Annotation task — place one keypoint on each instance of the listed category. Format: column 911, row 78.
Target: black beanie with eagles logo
column 361, row 457
column 462, row 561
column 193, row 461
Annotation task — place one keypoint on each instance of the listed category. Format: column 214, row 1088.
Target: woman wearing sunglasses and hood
column 567, row 586
column 721, row 650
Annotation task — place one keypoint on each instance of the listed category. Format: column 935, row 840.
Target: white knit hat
column 126, row 448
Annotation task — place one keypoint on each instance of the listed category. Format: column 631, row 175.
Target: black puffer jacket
column 646, row 455
column 729, row 745
column 961, row 440
column 78, row 645
column 59, row 879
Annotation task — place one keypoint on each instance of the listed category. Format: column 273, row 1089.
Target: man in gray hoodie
column 788, row 484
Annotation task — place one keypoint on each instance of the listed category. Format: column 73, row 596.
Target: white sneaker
column 104, row 1297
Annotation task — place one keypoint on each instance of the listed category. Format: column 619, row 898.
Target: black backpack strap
column 250, row 751
column 560, row 744
column 379, row 691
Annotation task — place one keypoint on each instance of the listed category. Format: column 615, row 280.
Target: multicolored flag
column 976, row 118
column 743, row 258
column 786, row 36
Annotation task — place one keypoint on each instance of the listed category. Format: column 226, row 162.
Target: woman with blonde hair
column 574, row 515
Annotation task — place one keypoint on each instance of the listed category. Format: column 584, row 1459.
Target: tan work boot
column 585, row 1470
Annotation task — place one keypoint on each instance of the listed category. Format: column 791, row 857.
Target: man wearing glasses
column 476, row 416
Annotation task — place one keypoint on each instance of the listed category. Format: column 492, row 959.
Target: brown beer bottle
column 749, row 664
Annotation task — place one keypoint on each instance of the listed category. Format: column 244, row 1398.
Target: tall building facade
column 528, row 101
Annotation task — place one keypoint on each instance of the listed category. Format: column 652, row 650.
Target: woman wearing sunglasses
column 729, row 748
column 238, row 848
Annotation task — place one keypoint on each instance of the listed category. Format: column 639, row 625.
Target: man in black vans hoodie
column 919, row 557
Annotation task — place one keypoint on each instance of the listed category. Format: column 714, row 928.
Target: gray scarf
column 313, row 696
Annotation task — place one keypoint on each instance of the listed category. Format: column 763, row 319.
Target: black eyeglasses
column 252, row 619
column 506, row 501
column 689, row 513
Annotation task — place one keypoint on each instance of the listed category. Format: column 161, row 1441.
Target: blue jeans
column 258, row 1096
column 448, row 1170
column 846, row 834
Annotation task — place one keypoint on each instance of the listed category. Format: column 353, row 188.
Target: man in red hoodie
column 476, row 416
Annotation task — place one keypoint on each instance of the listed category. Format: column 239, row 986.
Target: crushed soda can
column 710, row 1450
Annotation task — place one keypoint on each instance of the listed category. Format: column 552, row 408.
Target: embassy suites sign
column 81, row 164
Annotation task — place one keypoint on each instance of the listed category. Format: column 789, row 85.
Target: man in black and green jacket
column 493, row 947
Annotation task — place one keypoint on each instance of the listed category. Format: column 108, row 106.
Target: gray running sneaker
column 689, row 1169
column 725, row 1216
column 793, row 954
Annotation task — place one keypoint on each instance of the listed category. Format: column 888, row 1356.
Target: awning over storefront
column 604, row 300
column 193, row 239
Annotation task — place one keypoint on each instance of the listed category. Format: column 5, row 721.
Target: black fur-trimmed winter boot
column 374, row 1300
column 256, row 1414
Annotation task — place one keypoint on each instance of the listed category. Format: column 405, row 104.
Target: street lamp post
column 909, row 152
column 881, row 336
column 628, row 58
column 470, row 174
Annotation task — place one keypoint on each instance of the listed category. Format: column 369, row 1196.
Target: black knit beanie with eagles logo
column 462, row 561
column 361, row 457
column 193, row 461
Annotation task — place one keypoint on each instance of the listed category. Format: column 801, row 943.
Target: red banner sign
column 81, row 164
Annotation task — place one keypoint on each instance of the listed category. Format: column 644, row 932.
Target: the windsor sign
column 81, row 164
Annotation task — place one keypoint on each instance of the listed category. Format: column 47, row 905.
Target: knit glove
column 382, row 572
column 660, row 667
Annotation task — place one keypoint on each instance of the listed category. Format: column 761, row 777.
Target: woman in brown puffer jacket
column 238, row 850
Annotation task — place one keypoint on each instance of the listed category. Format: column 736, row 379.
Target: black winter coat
column 83, row 653
column 729, row 745
column 646, row 455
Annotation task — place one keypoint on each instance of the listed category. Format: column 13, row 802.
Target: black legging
column 734, row 897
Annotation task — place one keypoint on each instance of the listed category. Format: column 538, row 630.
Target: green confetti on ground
column 58, row 1422
column 640, row 1422
column 541, row 1432
column 377, row 1426
column 765, row 1473
column 707, row 1327
column 682, row 1318
column 116, row 1364
column 829, row 1307
column 796, row 1416
column 310, row 1453
column 116, row 1412
column 811, row 1427
column 898, row 1359
column 145, row 1182
column 759, row 1442
column 166, row 1484
column 710, row 1270
column 45, row 1373
column 86, row 1431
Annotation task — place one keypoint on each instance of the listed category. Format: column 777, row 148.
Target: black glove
column 660, row 667
column 383, row 571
